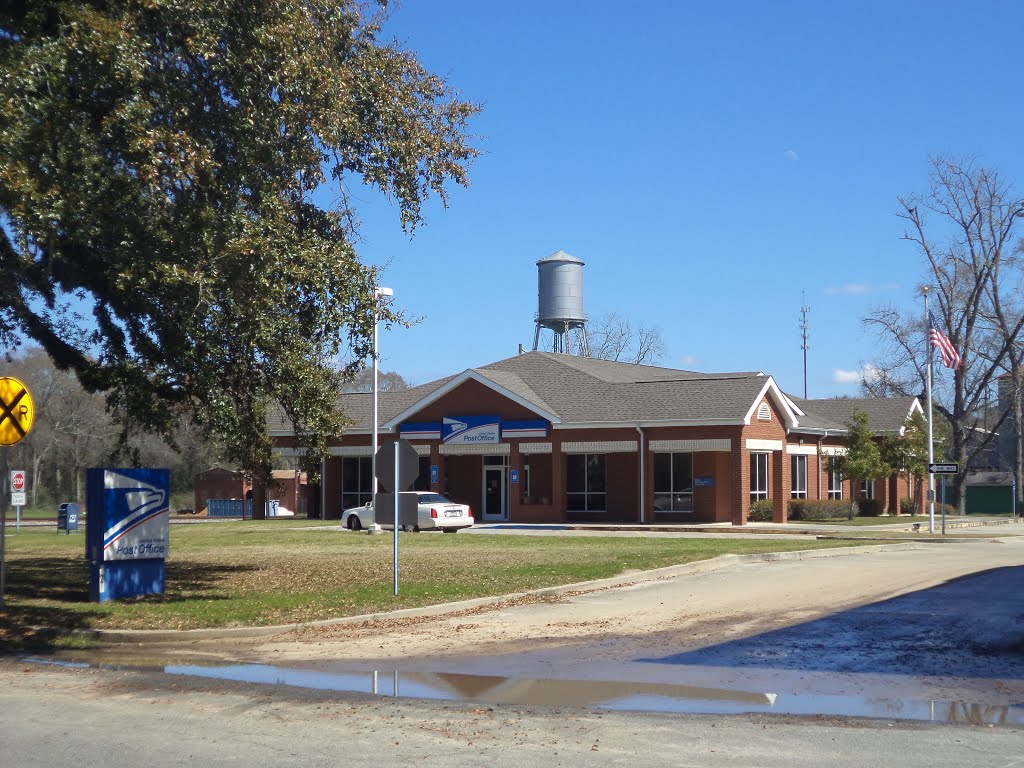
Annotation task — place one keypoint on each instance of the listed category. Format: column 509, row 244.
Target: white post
column 379, row 293
column 394, row 489
column 928, row 388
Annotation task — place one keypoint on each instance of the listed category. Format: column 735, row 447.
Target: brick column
column 558, row 480
column 781, row 483
column 740, row 481
column 515, row 490
column 332, row 488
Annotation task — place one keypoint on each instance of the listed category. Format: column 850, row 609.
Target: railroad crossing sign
column 17, row 412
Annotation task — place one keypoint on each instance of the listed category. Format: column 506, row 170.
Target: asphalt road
column 945, row 623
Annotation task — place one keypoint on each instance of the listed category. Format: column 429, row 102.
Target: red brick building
column 221, row 483
column 551, row 438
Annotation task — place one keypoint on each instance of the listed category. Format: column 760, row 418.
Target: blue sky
column 709, row 161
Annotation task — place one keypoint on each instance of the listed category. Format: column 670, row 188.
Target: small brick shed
column 222, row 483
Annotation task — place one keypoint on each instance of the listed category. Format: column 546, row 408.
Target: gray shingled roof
column 584, row 390
column 885, row 414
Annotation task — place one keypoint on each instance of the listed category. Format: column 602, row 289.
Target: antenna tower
column 804, row 326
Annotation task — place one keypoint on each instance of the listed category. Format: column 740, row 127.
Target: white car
column 434, row 512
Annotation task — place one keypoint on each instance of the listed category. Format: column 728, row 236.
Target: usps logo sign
column 138, row 518
column 469, row 430
column 127, row 531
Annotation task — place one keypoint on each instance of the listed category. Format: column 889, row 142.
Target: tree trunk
column 37, row 462
column 1018, row 435
column 259, row 500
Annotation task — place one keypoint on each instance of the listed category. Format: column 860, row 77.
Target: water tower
column 560, row 304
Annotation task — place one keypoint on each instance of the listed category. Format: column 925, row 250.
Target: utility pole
column 804, row 309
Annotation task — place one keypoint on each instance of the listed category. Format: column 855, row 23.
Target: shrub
column 820, row 509
column 907, row 506
column 760, row 511
column 870, row 507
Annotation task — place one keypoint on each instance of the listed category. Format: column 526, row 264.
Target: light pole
column 378, row 293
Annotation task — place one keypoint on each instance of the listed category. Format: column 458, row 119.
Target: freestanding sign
column 18, row 495
column 17, row 413
column 126, row 532
column 398, row 466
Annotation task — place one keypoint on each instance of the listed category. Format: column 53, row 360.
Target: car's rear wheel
column 353, row 523
column 450, row 530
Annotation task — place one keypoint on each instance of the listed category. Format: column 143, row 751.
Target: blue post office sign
column 127, row 532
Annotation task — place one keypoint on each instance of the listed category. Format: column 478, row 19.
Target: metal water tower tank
column 560, row 303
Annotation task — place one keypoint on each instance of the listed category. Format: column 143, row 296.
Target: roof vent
column 764, row 413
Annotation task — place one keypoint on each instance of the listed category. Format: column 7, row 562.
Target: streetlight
column 378, row 293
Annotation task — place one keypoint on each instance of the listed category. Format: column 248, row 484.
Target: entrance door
column 495, row 501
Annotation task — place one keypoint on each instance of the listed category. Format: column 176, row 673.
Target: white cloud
column 689, row 360
column 850, row 289
column 839, row 376
column 867, row 373
column 871, row 373
column 859, row 289
column 789, row 154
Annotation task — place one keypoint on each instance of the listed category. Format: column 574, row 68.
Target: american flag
column 950, row 357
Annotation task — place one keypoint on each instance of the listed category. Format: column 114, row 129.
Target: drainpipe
column 643, row 485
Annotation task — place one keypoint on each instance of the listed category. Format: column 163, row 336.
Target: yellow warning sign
column 17, row 411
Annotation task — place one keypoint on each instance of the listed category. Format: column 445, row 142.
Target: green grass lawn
column 275, row 572
column 34, row 513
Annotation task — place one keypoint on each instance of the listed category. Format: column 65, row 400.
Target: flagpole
column 931, row 446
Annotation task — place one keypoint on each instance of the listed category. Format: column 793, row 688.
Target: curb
column 634, row 578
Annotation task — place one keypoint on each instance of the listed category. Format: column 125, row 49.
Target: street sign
column 408, row 465
column 17, row 411
column 19, row 499
column 17, row 479
column 944, row 469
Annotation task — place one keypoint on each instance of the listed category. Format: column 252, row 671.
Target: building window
column 422, row 482
column 585, row 482
column 758, row 476
column 835, row 480
column 867, row 489
column 356, row 481
column 798, row 467
column 673, row 482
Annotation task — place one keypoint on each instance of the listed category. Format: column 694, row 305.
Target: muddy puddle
column 597, row 694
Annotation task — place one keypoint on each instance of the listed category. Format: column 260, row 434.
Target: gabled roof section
column 771, row 389
column 885, row 414
column 499, row 383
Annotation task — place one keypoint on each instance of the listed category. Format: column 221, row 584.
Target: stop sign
column 408, row 465
column 18, row 480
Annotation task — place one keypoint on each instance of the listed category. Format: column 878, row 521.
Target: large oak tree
column 162, row 164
